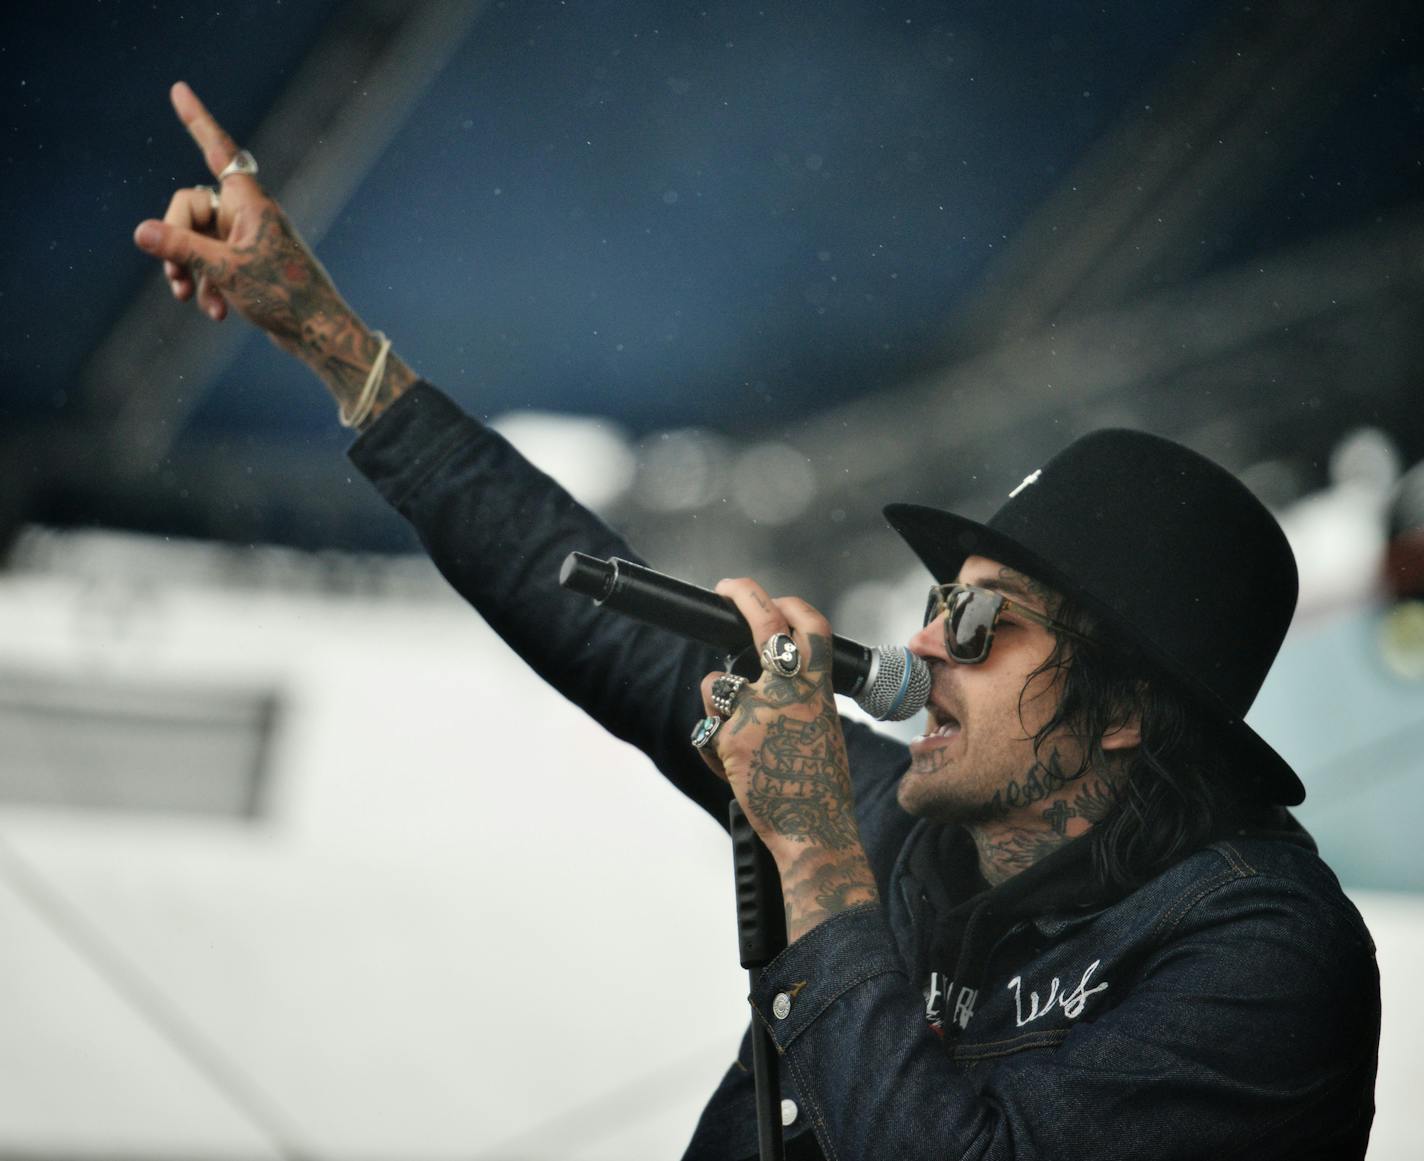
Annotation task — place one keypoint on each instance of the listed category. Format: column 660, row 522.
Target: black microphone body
column 888, row 682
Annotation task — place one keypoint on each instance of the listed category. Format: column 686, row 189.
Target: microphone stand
column 639, row 592
column 761, row 935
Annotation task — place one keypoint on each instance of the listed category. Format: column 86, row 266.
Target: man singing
column 1073, row 918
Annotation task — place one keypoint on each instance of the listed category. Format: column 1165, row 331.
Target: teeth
column 949, row 729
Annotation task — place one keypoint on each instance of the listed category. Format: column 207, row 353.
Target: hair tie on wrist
column 367, row 399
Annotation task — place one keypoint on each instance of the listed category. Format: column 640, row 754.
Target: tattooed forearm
column 818, row 885
column 797, row 789
column 799, row 786
column 346, row 354
column 278, row 284
column 798, row 777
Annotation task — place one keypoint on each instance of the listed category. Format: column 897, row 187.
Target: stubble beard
column 933, row 790
column 986, row 793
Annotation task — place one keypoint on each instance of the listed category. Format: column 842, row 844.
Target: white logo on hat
column 1032, row 478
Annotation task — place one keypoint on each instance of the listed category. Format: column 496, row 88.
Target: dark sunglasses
column 970, row 614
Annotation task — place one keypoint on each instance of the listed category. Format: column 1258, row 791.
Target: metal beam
column 1191, row 158
column 1220, row 363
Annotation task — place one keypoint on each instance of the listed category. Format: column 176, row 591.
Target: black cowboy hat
column 1168, row 550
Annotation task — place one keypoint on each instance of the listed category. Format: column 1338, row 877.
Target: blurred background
column 295, row 859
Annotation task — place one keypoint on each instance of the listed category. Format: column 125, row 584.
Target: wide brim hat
column 1166, row 549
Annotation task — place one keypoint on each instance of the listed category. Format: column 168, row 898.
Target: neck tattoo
column 1028, row 820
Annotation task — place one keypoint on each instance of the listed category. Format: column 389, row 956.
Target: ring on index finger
column 725, row 691
column 214, row 201
column 781, row 656
column 704, row 731
column 242, row 162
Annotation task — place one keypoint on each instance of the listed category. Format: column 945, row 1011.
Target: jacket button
column 788, row 1112
column 781, row 1006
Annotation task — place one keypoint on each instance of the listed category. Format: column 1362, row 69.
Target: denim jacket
column 1229, row 1007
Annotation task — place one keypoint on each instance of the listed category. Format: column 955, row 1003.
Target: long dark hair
column 1173, row 792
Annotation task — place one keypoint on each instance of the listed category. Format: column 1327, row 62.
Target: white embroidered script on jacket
column 1071, row 1002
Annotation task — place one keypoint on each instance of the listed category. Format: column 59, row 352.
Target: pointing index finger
column 757, row 608
column 218, row 148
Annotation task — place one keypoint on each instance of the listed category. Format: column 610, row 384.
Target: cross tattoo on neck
column 1058, row 815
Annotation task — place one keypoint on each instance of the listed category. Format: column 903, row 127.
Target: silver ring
column 704, row 731
column 242, row 162
column 213, row 199
column 781, row 656
column 725, row 691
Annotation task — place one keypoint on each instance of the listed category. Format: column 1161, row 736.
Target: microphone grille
column 898, row 686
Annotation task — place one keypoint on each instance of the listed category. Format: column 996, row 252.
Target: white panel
column 474, row 918
column 83, row 1072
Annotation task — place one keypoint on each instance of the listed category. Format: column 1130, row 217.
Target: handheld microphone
column 889, row 682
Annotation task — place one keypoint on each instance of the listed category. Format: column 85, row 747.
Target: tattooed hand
column 783, row 752
column 244, row 255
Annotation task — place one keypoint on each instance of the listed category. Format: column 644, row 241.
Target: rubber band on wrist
column 366, row 401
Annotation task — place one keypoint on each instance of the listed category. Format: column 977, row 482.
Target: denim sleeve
column 498, row 529
column 1244, row 1033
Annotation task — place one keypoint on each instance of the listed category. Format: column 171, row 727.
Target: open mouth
column 948, row 726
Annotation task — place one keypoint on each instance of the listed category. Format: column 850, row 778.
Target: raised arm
column 232, row 249
column 495, row 526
